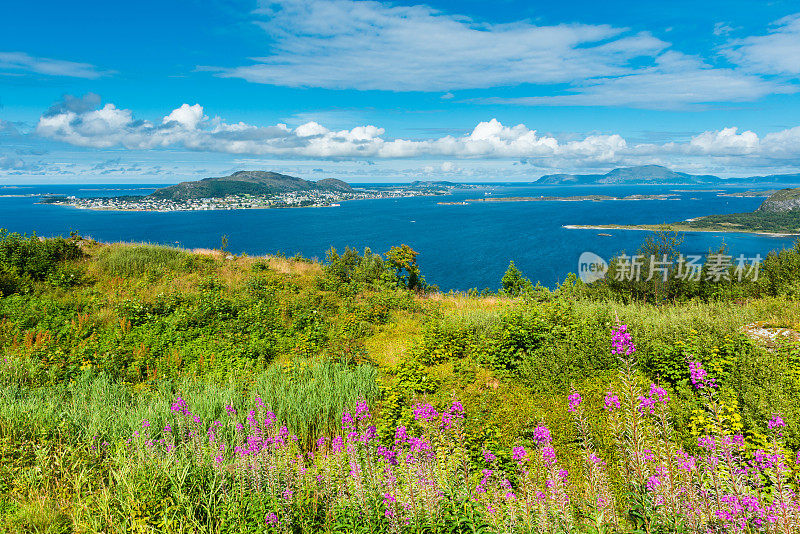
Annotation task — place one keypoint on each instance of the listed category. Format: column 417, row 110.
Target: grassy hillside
column 138, row 382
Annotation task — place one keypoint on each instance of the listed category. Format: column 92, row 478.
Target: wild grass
column 309, row 396
column 136, row 260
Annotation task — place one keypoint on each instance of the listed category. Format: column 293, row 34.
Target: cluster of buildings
column 293, row 199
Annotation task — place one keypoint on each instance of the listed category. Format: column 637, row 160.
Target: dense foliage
column 756, row 221
column 93, row 364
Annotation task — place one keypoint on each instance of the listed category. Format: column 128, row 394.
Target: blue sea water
column 460, row 247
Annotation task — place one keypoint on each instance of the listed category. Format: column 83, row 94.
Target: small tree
column 402, row 261
column 514, row 283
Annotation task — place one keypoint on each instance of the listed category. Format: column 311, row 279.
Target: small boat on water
column 604, row 235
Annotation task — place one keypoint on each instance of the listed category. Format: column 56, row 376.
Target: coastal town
column 293, row 199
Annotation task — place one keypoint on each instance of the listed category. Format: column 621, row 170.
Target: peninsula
column 249, row 190
column 778, row 215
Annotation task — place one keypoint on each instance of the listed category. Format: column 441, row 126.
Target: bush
column 32, row 257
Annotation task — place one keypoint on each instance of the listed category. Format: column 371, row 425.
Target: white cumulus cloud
column 187, row 127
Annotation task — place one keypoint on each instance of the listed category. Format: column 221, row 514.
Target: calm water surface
column 460, row 247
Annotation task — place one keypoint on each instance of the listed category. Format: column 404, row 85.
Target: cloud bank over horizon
column 86, row 122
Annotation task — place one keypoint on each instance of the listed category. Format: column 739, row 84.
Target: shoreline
column 332, row 205
column 668, row 227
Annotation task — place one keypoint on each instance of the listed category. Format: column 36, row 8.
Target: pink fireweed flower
column 776, row 422
column 387, row 454
column 519, row 454
column 167, row 428
column 145, row 424
column 653, row 482
column 400, row 436
column 272, row 519
column 658, row 395
column 179, row 406
column 707, row 442
column 347, row 421
column 369, row 434
column 269, row 418
column 542, row 435
column 611, row 401
column 230, row 409
column 424, row 412
column 596, row 460
column 362, row 410
column 457, row 409
column 489, row 456
column 575, row 400
column 388, row 501
column 621, row 341
column 699, row 376
column 686, row 461
column 549, row 455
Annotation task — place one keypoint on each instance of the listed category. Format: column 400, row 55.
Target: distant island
column 250, row 190
column 577, row 198
column 778, row 215
column 659, row 175
column 745, row 194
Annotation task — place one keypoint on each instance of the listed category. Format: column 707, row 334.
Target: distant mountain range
column 656, row 174
column 247, row 183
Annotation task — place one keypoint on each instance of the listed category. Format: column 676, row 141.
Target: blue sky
column 393, row 91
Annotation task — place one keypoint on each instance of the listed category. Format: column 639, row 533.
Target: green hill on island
column 246, row 183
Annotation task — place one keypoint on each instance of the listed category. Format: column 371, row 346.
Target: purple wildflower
column 362, row 410
column 621, row 341
column 549, row 455
column 699, row 376
column 611, row 401
column 542, row 435
column 347, row 420
column 400, row 436
column 424, row 412
column 575, row 400
column 776, row 422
